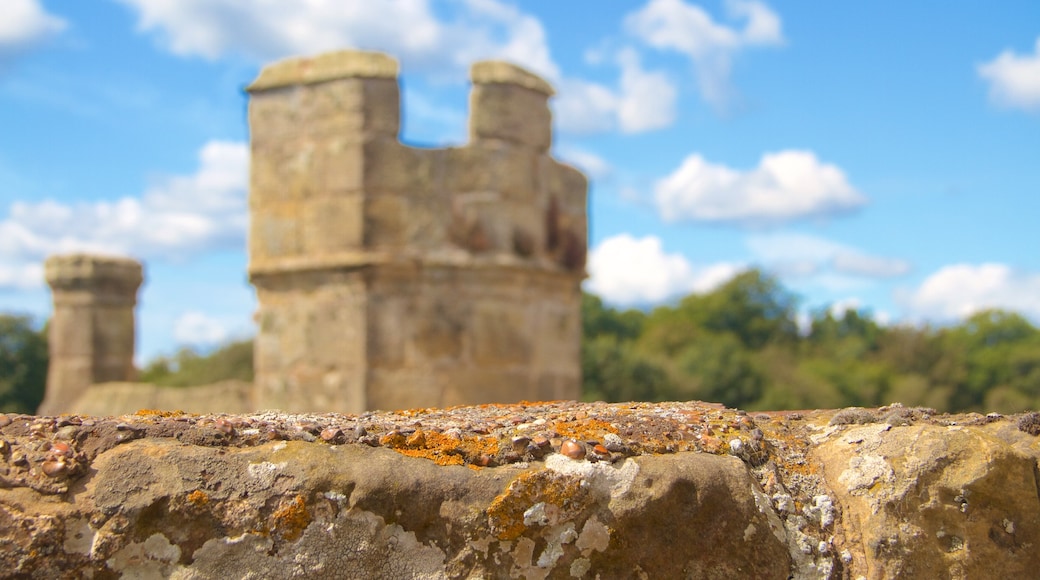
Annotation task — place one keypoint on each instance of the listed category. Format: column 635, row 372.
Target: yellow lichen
column 291, row 518
column 585, row 429
column 506, row 512
column 158, row 413
column 440, row 448
column 198, row 498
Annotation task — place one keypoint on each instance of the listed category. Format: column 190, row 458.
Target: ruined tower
column 393, row 277
column 91, row 333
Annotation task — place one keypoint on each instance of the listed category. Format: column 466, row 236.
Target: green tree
column 188, row 367
column 999, row 350
column 752, row 307
column 719, row 368
column 613, row 371
column 597, row 319
column 23, row 364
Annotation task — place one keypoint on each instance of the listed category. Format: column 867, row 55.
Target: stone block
column 475, row 386
column 327, row 95
column 385, row 219
column 395, row 168
column 274, row 233
column 390, row 324
column 441, row 322
column 510, row 113
column 569, row 187
column 501, row 334
column 397, row 389
column 279, row 174
column 332, row 224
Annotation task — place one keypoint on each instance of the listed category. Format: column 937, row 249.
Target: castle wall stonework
column 91, row 335
column 391, row 276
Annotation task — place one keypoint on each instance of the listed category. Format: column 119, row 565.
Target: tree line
column 740, row 345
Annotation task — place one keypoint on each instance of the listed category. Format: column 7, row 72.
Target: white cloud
column 197, row 329
column 785, row 186
column 960, row 290
column 593, row 165
column 626, row 270
column 647, row 99
column 24, row 24
column 179, row 216
column 690, row 30
column 643, row 101
column 1014, row 81
column 268, row 29
column 801, row 255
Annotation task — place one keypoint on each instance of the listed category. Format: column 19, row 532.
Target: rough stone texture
column 667, row 490
column 91, row 336
column 390, row 276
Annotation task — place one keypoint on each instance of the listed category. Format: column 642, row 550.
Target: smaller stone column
column 91, row 332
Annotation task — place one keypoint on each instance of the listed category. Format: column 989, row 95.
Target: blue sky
column 882, row 155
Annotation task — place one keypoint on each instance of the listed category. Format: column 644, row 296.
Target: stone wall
column 538, row 490
column 391, row 276
column 91, row 334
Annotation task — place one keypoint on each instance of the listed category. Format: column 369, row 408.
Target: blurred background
column 792, row 205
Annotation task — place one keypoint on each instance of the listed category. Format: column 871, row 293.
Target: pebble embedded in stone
column 55, row 467
column 331, row 433
column 613, row 442
column 736, row 446
column 224, row 426
column 520, row 443
column 4, row 421
column 572, row 449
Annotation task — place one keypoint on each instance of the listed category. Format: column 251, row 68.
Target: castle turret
column 390, row 276
column 91, row 332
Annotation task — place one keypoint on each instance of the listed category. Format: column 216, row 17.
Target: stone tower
column 91, row 334
column 395, row 277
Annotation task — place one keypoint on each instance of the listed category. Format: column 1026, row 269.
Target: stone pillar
column 91, row 332
column 314, row 123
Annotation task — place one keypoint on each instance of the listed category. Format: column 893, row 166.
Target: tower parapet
column 391, row 276
column 91, row 334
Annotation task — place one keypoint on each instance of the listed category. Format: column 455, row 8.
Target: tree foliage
column 23, row 364
column 740, row 345
column 188, row 367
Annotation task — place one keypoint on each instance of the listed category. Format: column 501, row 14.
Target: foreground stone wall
column 541, row 490
column 391, row 276
column 91, row 334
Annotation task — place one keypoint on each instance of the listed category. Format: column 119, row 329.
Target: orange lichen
column 158, row 413
column 585, row 430
column 291, row 518
column 434, row 455
column 506, row 512
column 198, row 498
column 440, row 448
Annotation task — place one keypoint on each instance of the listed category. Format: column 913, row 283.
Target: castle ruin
column 391, row 276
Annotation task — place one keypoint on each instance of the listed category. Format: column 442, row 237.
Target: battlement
column 371, row 256
column 332, row 186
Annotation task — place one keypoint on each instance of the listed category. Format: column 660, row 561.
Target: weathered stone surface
column 667, row 490
column 936, row 501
